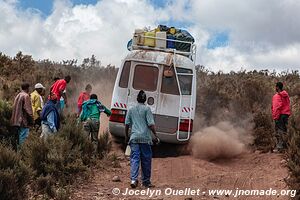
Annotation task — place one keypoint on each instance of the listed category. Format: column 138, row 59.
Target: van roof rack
column 190, row 54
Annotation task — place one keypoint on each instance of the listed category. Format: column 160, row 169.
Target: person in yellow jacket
column 37, row 103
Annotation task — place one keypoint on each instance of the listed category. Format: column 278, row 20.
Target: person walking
column 58, row 88
column 84, row 96
column 37, row 103
column 22, row 115
column 50, row 118
column 140, row 119
column 280, row 113
column 90, row 116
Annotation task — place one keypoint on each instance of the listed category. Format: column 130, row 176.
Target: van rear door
column 144, row 76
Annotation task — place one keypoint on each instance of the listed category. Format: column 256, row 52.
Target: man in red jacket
column 280, row 113
column 84, row 96
column 58, row 88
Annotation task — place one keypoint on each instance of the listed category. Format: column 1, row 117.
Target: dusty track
column 248, row 171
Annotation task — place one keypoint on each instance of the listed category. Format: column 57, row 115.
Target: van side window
column 185, row 80
column 145, row 78
column 125, row 75
column 169, row 84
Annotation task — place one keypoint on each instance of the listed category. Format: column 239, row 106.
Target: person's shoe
column 150, row 185
column 134, row 184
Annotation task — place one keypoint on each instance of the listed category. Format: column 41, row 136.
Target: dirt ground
column 253, row 170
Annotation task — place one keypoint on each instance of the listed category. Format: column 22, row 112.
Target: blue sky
column 45, row 6
column 219, row 39
column 229, row 34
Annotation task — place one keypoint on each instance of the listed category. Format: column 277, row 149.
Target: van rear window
column 183, row 70
column 185, row 78
column 185, row 82
column 145, row 78
column 125, row 75
column 169, row 84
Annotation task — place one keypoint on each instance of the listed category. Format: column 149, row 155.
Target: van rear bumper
column 118, row 129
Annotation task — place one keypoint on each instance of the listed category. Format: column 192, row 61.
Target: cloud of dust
column 103, row 88
column 221, row 141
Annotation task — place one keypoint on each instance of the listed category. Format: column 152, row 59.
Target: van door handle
column 128, row 92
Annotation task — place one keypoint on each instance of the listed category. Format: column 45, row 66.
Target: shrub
column 56, row 157
column 72, row 131
column 263, row 132
column 104, row 144
column 58, row 160
column 294, row 147
column 45, row 184
column 5, row 114
column 14, row 174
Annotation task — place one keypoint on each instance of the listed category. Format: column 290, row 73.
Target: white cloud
column 263, row 34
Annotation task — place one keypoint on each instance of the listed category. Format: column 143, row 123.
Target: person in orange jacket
column 280, row 113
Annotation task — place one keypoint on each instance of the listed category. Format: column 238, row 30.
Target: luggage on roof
column 162, row 37
column 185, row 36
column 161, row 43
column 149, row 39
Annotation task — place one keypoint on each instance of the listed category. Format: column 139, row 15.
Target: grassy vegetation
column 246, row 96
column 50, row 166
column 14, row 174
column 242, row 97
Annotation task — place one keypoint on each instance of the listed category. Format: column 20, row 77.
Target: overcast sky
column 230, row 34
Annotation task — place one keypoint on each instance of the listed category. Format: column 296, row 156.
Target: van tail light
column 184, row 125
column 117, row 115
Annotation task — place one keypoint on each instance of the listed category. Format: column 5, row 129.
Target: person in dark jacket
column 50, row 117
column 280, row 113
column 90, row 116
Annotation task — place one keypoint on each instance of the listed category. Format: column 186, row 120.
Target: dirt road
column 260, row 171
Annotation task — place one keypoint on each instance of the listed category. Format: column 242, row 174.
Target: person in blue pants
column 22, row 116
column 140, row 119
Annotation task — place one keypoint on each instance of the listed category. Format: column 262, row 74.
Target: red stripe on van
column 185, row 109
column 125, row 105
column 117, row 104
column 121, row 105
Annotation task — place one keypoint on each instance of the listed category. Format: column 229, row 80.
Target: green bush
column 72, row 131
column 263, row 132
column 14, row 175
column 5, row 115
column 104, row 144
column 294, row 145
column 57, row 161
column 56, row 157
